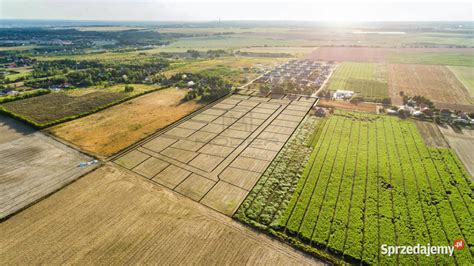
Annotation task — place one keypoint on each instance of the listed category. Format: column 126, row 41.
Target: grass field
column 424, row 56
column 466, row 76
column 237, row 70
column 17, row 48
column 23, row 72
column 233, row 42
column 370, row 180
column 111, row 130
column 295, row 50
column 111, row 216
column 106, row 56
column 437, row 83
column 368, row 80
column 58, row 107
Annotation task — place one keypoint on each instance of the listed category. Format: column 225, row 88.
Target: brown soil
column 431, row 134
column 111, row 216
column 364, row 107
column 437, row 83
column 463, row 144
column 109, row 131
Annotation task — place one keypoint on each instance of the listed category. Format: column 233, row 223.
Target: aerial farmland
column 236, row 142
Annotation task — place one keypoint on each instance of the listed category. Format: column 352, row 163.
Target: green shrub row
column 25, row 95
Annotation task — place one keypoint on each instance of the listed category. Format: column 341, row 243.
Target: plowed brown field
column 437, row 83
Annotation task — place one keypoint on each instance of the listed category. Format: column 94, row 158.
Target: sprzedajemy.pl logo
column 426, row 250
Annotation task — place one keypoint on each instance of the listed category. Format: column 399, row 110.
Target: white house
column 342, row 94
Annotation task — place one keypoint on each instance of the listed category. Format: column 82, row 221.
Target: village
column 417, row 107
column 296, row 76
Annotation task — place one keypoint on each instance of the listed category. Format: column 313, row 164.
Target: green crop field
column 370, row 180
column 368, row 80
column 466, row 76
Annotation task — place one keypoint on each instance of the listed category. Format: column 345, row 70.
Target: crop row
column 271, row 194
column 371, row 180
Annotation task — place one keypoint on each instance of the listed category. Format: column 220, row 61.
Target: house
column 13, row 93
column 190, row 84
column 392, row 112
column 342, row 94
column 418, row 114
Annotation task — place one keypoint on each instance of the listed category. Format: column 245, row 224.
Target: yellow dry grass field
column 111, row 130
column 111, row 216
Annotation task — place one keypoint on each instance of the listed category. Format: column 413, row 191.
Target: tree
column 128, row 88
column 264, row 89
column 386, row 101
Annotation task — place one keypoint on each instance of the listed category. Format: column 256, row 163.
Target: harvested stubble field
column 370, row 180
column 111, row 130
column 463, row 144
column 32, row 166
column 112, row 217
column 57, row 107
column 368, row 80
column 437, row 83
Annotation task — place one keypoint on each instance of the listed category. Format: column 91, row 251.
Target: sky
column 196, row 10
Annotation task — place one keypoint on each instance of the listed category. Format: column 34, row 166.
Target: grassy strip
column 37, row 125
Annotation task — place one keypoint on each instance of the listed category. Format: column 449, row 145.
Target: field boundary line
column 431, row 192
column 418, row 193
column 166, row 129
column 3, row 219
column 223, row 219
column 352, row 192
column 409, row 218
column 313, row 163
column 391, row 190
column 317, row 182
column 276, row 158
column 330, row 177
